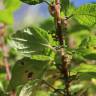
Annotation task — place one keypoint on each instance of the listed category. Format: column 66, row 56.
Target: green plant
column 56, row 57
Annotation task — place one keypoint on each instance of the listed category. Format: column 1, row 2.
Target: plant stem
column 61, row 42
column 5, row 50
column 13, row 93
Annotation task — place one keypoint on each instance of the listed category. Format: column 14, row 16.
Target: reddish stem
column 60, row 39
column 7, row 66
column 13, row 93
column 5, row 50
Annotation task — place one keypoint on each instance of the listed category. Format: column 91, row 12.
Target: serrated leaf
column 65, row 5
column 32, row 2
column 27, row 69
column 49, row 26
column 31, row 40
column 86, row 14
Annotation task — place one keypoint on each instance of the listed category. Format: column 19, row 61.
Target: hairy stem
column 61, row 42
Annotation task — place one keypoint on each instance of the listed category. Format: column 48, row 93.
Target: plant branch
column 58, row 25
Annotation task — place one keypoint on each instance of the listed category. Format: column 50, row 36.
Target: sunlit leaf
column 86, row 14
column 85, row 71
column 11, row 5
column 6, row 17
column 31, row 88
column 41, row 57
column 32, row 40
column 85, row 68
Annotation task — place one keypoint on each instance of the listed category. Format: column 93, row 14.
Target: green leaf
column 77, row 57
column 42, row 93
column 31, row 88
column 65, row 5
column 85, row 71
column 6, row 17
column 48, row 25
column 3, row 93
column 27, row 69
column 41, row 57
column 84, row 68
column 91, row 56
column 87, row 75
column 76, row 88
column 70, row 9
column 85, row 42
column 76, row 27
column 32, row 2
column 86, row 14
column 32, row 40
column 11, row 5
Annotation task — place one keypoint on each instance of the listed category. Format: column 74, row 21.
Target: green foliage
column 3, row 93
column 32, row 2
column 6, row 14
column 48, row 25
column 85, row 71
column 29, row 39
column 65, row 5
column 91, row 56
column 11, row 5
column 26, row 69
column 36, row 55
column 85, row 68
column 6, row 17
column 30, row 88
column 86, row 14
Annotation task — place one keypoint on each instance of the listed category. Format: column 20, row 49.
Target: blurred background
column 29, row 14
column 78, row 36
